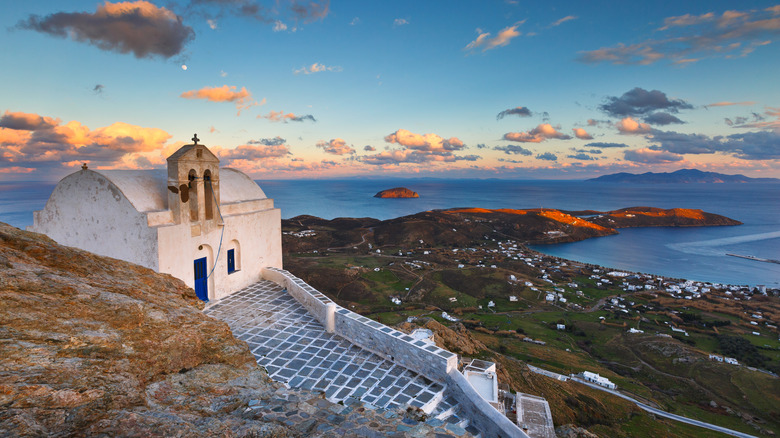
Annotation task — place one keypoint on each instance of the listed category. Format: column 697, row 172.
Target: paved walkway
column 295, row 349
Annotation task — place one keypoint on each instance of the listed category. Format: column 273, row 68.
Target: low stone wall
column 315, row 302
column 486, row 418
column 398, row 347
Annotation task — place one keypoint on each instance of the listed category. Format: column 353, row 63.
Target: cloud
column 652, row 106
column 563, row 20
column 26, row 121
column 716, row 104
column 309, row 11
column 400, row 22
column 280, row 116
column 662, row 118
column 485, row 42
column 226, row 93
column 631, row 126
column 45, row 143
column 275, row 15
column 759, row 121
column 316, row 68
column 369, row 148
column 336, row 146
column 650, row 156
column 537, row 135
column 98, row 89
column 424, row 142
column 410, row 156
column 279, row 26
column 139, row 27
column 354, row 21
column 548, row 156
column 581, row 156
column 761, row 145
column 276, row 141
column 513, row 149
column 418, row 149
column 690, row 38
column 251, row 152
column 520, row 111
column 582, row 134
column 598, row 144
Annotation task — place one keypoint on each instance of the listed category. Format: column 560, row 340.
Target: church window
column 193, row 192
column 208, row 192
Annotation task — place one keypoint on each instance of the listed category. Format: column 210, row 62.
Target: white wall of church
column 259, row 245
column 89, row 212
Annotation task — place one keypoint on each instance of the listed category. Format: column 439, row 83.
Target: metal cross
column 195, row 139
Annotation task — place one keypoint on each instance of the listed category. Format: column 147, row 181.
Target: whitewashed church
column 213, row 228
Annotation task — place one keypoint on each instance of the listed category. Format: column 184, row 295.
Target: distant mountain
column 680, row 176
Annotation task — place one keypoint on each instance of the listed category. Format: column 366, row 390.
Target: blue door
column 201, row 286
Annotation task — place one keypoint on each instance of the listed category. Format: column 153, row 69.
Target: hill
column 677, row 177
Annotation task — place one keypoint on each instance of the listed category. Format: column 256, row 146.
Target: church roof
column 147, row 190
column 187, row 152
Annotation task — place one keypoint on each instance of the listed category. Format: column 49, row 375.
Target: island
column 398, row 192
column 458, row 227
column 682, row 176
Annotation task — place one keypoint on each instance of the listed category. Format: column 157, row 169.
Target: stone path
column 295, row 349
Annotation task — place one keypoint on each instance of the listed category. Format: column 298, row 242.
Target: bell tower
column 193, row 187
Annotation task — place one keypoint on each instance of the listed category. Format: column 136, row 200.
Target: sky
column 513, row 89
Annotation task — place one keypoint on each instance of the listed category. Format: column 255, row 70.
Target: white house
column 213, row 228
column 598, row 380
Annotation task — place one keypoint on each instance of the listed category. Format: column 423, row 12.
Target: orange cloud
column 582, row 134
column 32, row 144
column 26, row 121
column 485, row 42
column 537, row 135
column 424, row 142
column 336, row 146
column 747, row 103
column 139, row 27
column 280, row 116
column 631, row 126
column 226, row 93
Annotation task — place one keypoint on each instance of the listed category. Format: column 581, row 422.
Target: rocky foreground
column 96, row 346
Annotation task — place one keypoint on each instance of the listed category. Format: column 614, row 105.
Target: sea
column 694, row 253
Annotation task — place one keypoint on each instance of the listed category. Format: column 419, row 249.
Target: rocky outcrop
column 658, row 217
column 93, row 345
column 456, row 338
column 398, row 192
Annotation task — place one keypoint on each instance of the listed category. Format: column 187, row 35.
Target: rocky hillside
column 92, row 345
column 464, row 227
column 657, row 217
